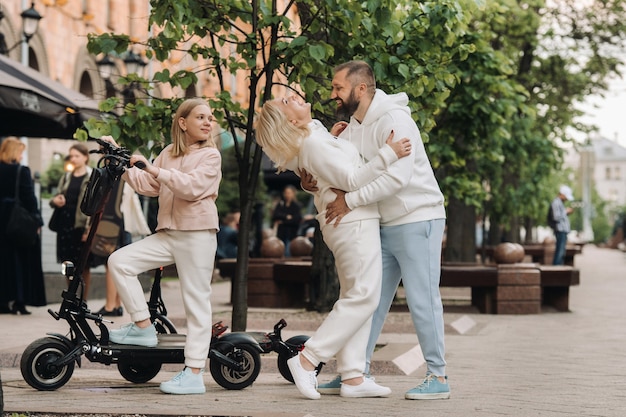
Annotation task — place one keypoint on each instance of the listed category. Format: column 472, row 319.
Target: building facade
column 58, row 50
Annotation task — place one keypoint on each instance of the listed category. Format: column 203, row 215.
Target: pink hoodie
column 187, row 188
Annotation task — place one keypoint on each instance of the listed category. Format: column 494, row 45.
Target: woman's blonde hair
column 179, row 147
column 279, row 138
column 11, row 150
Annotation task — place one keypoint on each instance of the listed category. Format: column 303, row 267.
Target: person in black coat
column 287, row 216
column 21, row 275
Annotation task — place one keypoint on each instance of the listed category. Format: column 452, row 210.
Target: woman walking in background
column 72, row 232
column 21, row 276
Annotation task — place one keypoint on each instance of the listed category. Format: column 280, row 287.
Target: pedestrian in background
column 122, row 218
column 21, row 275
column 287, row 216
column 72, row 222
column 559, row 221
column 228, row 236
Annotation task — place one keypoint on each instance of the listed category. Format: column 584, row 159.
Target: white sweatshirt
column 335, row 163
column 407, row 192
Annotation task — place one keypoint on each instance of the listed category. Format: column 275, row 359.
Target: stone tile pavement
column 551, row 364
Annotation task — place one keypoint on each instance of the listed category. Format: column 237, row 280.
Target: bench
column 513, row 288
column 495, row 289
column 541, row 254
column 273, row 282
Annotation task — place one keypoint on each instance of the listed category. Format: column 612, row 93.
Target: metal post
column 24, row 46
column 586, row 160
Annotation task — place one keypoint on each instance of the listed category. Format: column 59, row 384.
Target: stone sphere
column 549, row 241
column 300, row 246
column 508, row 253
column 272, row 247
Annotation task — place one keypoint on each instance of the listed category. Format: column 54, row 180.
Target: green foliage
column 51, row 177
column 493, row 85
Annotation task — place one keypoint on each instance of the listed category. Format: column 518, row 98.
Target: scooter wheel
column 295, row 344
column 37, row 364
column 138, row 372
column 232, row 379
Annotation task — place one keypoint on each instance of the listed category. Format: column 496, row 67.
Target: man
column 560, row 222
column 412, row 220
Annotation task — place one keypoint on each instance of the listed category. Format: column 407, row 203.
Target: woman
column 21, row 276
column 287, row 216
column 72, row 232
column 293, row 140
column 124, row 215
column 186, row 177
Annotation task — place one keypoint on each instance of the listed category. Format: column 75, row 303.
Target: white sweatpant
column 193, row 252
column 344, row 332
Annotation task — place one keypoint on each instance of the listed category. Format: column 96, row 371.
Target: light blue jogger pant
column 412, row 253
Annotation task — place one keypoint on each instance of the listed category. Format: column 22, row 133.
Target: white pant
column 193, row 252
column 344, row 332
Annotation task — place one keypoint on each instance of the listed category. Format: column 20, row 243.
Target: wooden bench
column 541, row 254
column 495, row 289
column 273, row 282
column 486, row 281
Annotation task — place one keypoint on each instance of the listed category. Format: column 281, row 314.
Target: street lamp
column 30, row 19
column 30, row 24
column 134, row 65
column 132, row 61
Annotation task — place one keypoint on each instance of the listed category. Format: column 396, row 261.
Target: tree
column 278, row 49
column 500, row 149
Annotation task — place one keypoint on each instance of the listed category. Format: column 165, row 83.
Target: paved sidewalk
column 552, row 364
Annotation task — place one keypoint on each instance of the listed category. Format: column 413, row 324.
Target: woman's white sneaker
column 368, row 388
column 306, row 381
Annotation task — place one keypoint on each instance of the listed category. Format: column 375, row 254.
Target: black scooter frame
column 48, row 363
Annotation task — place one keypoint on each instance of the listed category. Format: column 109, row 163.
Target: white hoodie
column 335, row 163
column 408, row 191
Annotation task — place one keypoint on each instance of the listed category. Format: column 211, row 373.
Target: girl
column 185, row 177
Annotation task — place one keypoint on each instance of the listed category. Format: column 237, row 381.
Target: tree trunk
column 240, row 284
column 461, row 232
column 324, row 281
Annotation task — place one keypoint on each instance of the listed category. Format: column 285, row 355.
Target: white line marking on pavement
column 463, row 324
column 409, row 361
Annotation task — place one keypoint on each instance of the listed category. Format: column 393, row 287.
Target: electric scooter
column 224, row 375
column 48, row 363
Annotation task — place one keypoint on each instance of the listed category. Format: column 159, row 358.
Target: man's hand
column 307, row 182
column 336, row 210
column 338, row 128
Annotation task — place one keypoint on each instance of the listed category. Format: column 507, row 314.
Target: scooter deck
column 166, row 341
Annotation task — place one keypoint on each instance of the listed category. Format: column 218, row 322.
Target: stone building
column 58, row 50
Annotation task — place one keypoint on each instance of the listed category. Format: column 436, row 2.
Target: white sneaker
column 185, row 382
column 306, row 381
column 368, row 388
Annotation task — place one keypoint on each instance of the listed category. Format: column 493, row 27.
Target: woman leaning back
column 294, row 140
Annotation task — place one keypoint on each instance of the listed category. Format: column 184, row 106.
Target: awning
column 32, row 104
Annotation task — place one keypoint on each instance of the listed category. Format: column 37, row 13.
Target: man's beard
column 347, row 108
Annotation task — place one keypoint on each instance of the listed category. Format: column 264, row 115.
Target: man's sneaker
column 368, row 388
column 186, row 382
column 306, row 381
column 330, row 388
column 131, row 334
column 430, row 389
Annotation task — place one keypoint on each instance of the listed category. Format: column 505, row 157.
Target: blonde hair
column 179, row 147
column 11, row 150
column 279, row 138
